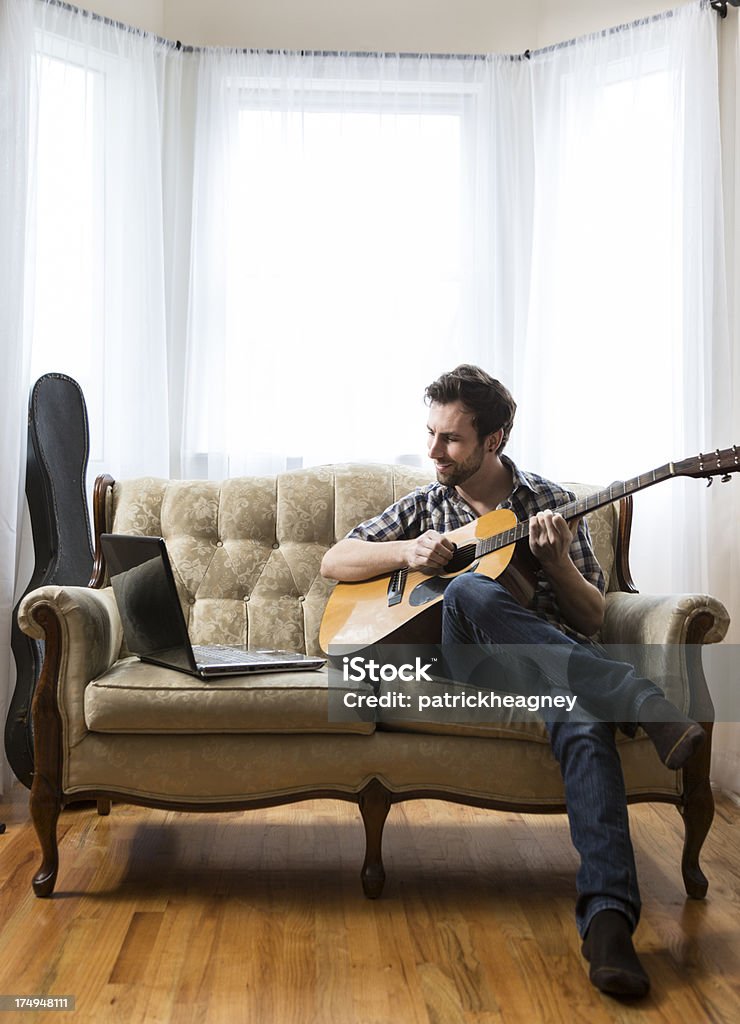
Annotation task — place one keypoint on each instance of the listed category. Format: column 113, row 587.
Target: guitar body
column 372, row 611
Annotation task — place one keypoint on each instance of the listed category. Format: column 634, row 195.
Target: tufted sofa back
column 246, row 552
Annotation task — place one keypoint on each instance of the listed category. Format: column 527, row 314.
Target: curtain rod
column 720, row 6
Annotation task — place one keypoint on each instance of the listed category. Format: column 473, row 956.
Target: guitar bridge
column 396, row 586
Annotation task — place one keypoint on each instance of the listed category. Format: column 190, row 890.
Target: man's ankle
column 614, row 965
column 675, row 736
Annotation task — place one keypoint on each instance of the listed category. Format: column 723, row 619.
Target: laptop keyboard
column 216, row 654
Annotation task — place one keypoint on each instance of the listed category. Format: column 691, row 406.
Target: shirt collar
column 518, row 477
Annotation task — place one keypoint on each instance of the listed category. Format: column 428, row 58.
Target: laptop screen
column 145, row 591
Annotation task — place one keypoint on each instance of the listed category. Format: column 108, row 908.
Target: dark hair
column 485, row 397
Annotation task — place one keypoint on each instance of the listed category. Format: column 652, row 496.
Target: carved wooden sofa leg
column 46, row 791
column 375, row 802
column 697, row 811
column 104, row 805
column 45, row 807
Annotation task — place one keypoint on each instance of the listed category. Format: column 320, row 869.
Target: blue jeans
column 478, row 610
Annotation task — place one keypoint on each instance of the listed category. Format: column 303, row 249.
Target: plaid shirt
column 438, row 507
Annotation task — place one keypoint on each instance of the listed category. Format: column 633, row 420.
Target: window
column 336, row 287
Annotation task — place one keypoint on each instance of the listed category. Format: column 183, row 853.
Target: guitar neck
column 574, row 509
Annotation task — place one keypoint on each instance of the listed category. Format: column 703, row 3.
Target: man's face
column 453, row 443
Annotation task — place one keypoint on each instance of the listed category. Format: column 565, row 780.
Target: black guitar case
column 56, row 463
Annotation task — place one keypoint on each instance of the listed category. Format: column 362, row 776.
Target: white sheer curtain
column 16, row 31
column 361, row 223
column 81, row 252
column 725, row 551
column 97, row 238
column 625, row 357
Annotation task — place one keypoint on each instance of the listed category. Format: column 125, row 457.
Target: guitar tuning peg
column 726, row 478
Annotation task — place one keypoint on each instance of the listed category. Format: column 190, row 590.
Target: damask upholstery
column 246, row 555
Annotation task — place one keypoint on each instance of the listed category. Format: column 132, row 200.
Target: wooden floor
column 259, row 917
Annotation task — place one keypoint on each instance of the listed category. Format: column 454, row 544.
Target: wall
column 558, row 20
column 146, row 14
column 448, row 26
column 437, row 26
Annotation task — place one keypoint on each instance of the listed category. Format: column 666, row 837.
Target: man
column 470, row 419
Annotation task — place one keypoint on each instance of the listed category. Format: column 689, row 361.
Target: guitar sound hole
column 462, row 558
column 431, row 588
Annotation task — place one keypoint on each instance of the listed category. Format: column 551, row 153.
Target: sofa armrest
column 87, row 641
column 662, row 636
column 664, row 619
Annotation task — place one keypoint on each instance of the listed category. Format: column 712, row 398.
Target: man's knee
column 471, row 590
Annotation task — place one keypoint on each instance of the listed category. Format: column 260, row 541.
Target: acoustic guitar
column 405, row 606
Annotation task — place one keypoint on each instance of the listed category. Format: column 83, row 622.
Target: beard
column 459, row 472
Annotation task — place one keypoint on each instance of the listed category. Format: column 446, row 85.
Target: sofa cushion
column 134, row 697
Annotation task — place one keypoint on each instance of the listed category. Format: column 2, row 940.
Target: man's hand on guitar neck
column 581, row 603
column 550, row 537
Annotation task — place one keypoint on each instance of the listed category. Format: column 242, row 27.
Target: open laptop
column 154, row 625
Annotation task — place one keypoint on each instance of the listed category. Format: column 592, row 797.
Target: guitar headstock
column 726, row 461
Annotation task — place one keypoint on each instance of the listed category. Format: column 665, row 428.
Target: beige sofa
column 246, row 555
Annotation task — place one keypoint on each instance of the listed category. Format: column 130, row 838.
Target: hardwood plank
column 136, row 949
